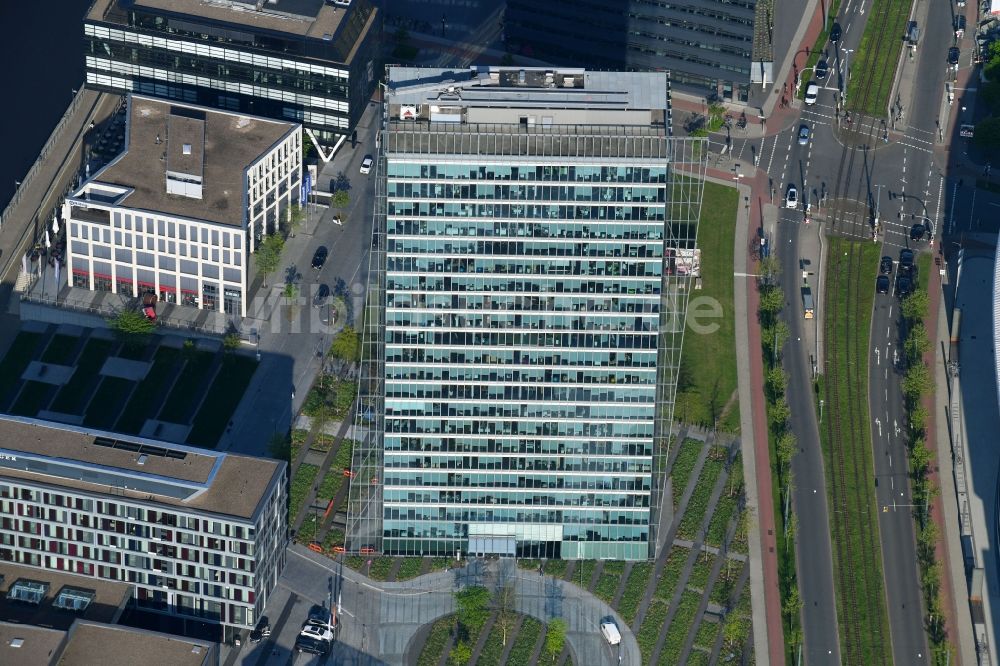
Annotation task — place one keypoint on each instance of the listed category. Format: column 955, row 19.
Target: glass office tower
column 525, row 314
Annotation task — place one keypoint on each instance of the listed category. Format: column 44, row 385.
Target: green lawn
column 635, row 588
column 524, row 644
column 436, row 642
column 694, row 515
column 334, row 479
column 15, row 361
column 853, row 508
column 188, row 388
column 680, row 625
column 409, row 568
column 149, row 393
column 707, row 383
column 684, row 464
column 301, row 484
column 72, row 397
column 221, row 400
column 107, row 402
column 60, row 350
column 33, row 398
column 702, row 570
column 875, row 61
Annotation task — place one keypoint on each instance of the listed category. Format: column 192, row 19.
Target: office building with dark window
column 706, row 45
column 194, row 533
column 531, row 269
column 305, row 61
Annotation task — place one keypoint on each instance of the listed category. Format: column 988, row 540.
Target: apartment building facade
column 529, row 240
column 180, row 210
column 304, row 61
column 197, row 534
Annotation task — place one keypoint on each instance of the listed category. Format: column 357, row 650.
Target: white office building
column 179, row 211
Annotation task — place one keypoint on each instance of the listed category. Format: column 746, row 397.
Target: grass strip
column 694, row 514
column 334, row 479
column 854, row 451
column 684, row 464
column 635, row 587
column 649, row 632
column 60, row 350
column 221, row 401
column 524, row 644
column 557, row 568
column 671, row 573
column 149, row 392
column 302, row 482
column 409, row 568
column 607, row 585
column 680, row 626
column 876, row 61
column 107, row 403
column 73, row 395
column 380, row 568
column 436, row 642
column 701, row 570
column 706, row 384
column 187, row 388
column 726, row 507
column 707, row 633
column 492, row 650
column 16, row 361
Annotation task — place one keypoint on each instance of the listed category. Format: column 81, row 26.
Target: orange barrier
column 315, row 547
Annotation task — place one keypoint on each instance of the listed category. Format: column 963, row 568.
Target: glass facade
column 521, row 371
column 321, row 83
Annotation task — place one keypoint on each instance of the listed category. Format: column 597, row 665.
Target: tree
column 555, row 638
column 920, row 458
column 785, row 448
column 269, row 255
column 917, row 343
column 987, row 134
column 769, row 268
column 780, row 412
column 291, row 291
column 734, row 629
column 132, row 328
column 775, row 382
column 772, row 299
column 915, row 306
column 918, row 420
column 231, row 343
column 473, row 606
column 792, row 604
column 504, row 600
column 991, row 95
column 916, row 383
column 341, row 198
column 460, row 654
column 716, row 114
column 296, row 216
column 347, row 345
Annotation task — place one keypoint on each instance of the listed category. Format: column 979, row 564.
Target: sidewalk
column 765, row 598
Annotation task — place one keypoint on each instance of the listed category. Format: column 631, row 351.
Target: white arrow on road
column 896, row 426
column 878, row 357
column 879, row 424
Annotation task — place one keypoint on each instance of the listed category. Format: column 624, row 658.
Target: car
column 836, row 33
column 610, row 632
column 319, row 616
column 322, row 293
column 792, row 198
column 959, row 25
column 366, row 164
column 953, row 54
column 311, row 645
column 885, row 266
column 261, row 631
column 917, row 232
column 803, row 135
column 319, row 258
column 812, row 93
column 905, row 259
column 882, row 284
column 822, row 69
column 904, row 286
column 319, row 633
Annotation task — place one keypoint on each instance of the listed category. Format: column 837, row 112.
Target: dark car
column 822, row 69
column 311, row 645
column 953, row 54
column 261, row 631
column 906, row 259
column 904, row 286
column 322, row 293
column 319, row 616
column 886, row 265
column 835, row 33
column 917, row 232
column 959, row 24
column 882, row 284
column 320, row 257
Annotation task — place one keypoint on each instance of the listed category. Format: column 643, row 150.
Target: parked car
column 836, row 33
column 959, row 25
column 319, row 258
column 366, row 164
column 904, row 286
column 905, row 259
column 311, row 645
column 322, row 293
column 917, row 232
column 610, row 632
column 261, row 631
column 319, row 633
column 803, row 135
column 882, row 284
column 812, row 93
column 792, row 197
column 885, row 266
column 319, row 616
column 953, row 55
column 822, row 69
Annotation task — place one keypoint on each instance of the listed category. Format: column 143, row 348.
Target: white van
column 611, row 633
column 812, row 92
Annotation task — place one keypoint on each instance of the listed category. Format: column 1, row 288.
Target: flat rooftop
column 26, row 644
column 535, row 87
column 111, row 645
column 158, row 472
column 109, row 598
column 308, row 18
column 231, row 143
